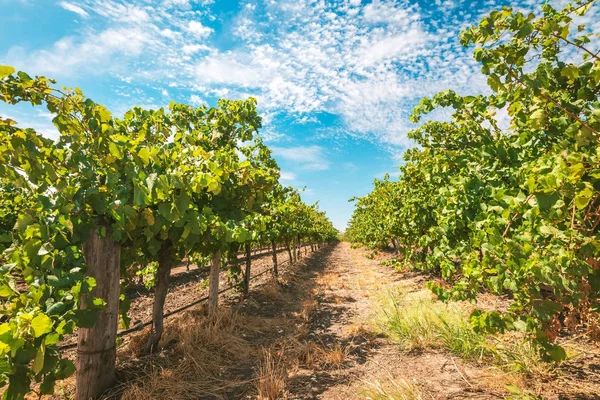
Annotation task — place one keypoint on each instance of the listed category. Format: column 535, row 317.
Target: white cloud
column 225, row 69
column 74, row 8
column 306, row 157
column 268, row 133
column 287, row 177
column 125, row 12
column 193, row 48
column 94, row 53
column 177, row 3
column 387, row 12
column 196, row 100
column 196, row 28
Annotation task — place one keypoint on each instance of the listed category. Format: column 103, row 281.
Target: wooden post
column 275, row 272
column 248, row 266
column 213, row 283
column 161, row 288
column 96, row 346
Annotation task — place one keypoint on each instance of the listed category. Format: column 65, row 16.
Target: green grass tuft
column 415, row 321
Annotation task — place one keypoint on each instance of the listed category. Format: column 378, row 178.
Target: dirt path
column 348, row 293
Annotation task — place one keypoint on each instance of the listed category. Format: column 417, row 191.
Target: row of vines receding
column 112, row 198
column 504, row 196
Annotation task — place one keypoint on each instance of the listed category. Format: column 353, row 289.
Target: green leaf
column 24, row 77
column 537, row 118
column 6, row 70
column 6, row 290
column 23, row 222
column 52, row 338
column 520, row 325
column 18, row 385
column 56, row 308
column 494, row 82
column 114, row 150
column 41, row 325
column 557, row 353
column 38, row 362
column 570, row 71
column 144, row 154
column 583, row 198
column 5, row 367
column 104, row 114
column 549, row 230
column 86, row 318
column 139, row 196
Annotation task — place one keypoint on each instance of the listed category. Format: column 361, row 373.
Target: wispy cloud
column 74, row 8
column 306, row 157
column 287, row 177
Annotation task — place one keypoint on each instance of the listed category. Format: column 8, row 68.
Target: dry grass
column 271, row 291
column 308, row 306
column 272, row 376
column 593, row 329
column 361, row 331
column 392, row 389
column 305, row 353
column 203, row 350
column 315, row 356
column 334, row 355
column 338, row 299
column 329, row 280
column 135, row 344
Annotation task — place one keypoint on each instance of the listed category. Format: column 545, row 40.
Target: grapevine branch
column 556, row 103
column 572, row 115
column 594, row 55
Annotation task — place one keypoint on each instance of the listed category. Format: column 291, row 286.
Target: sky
column 336, row 81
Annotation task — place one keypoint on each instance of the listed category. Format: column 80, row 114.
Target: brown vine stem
column 590, row 207
column 594, row 55
column 596, row 223
column 575, row 117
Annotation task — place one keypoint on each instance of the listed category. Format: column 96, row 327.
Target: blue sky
column 335, row 80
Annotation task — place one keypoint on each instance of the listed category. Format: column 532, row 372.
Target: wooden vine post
column 213, row 283
column 96, row 347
